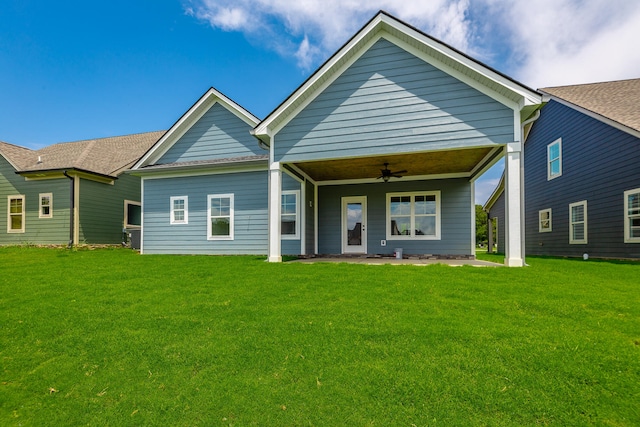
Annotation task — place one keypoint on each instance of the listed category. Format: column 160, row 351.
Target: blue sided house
column 582, row 173
column 377, row 150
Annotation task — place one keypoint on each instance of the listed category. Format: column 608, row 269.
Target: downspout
column 72, row 209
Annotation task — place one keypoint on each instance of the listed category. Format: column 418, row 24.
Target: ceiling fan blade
column 397, row 172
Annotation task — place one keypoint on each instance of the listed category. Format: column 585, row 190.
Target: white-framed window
column 179, row 209
column 15, row 214
column 46, row 205
column 554, row 159
column 220, row 217
column 132, row 214
column 632, row 216
column 413, row 215
column 289, row 215
column 578, row 223
column 544, row 221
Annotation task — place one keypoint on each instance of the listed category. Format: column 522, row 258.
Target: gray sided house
column 379, row 149
column 387, row 139
column 582, row 172
column 204, row 183
column 72, row 192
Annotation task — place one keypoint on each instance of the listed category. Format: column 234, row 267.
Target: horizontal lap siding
column 250, row 204
column 497, row 211
column 218, row 134
column 389, row 101
column 599, row 163
column 455, row 211
column 102, row 208
column 291, row 246
column 40, row 231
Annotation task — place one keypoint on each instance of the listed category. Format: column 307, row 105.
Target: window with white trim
column 132, row 214
column 15, row 214
column 46, row 205
column 544, row 221
column 220, row 217
column 554, row 159
column 179, row 209
column 413, row 215
column 289, row 215
column 632, row 216
column 578, row 223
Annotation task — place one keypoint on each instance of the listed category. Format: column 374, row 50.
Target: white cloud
column 311, row 30
column 541, row 43
column 561, row 42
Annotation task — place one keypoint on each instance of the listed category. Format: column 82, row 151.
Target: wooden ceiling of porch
column 416, row 164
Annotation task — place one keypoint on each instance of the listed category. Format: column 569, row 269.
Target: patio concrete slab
column 394, row 261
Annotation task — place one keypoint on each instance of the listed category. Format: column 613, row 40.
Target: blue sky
column 73, row 70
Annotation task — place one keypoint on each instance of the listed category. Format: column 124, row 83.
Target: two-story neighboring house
column 582, row 173
column 72, row 192
column 378, row 149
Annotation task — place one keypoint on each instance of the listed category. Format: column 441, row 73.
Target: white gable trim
column 506, row 91
column 191, row 117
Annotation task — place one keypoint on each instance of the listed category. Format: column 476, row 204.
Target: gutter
column 72, row 209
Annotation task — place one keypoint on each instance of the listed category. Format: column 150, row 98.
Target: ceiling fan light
column 385, row 178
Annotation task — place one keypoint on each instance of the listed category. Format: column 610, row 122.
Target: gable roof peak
column 410, row 38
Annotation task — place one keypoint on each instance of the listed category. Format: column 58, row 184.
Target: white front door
column 354, row 225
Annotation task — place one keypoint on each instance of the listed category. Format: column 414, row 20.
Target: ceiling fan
column 386, row 173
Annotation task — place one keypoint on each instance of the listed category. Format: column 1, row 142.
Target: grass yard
column 109, row 337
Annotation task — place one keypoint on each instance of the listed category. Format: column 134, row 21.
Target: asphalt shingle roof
column 617, row 100
column 104, row 156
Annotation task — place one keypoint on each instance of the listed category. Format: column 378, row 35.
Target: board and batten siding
column 599, row 163
column 218, row 134
column 455, row 218
column 250, row 219
column 391, row 101
column 42, row 231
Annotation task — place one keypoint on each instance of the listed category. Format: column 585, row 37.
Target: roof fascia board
column 592, row 114
column 188, row 119
column 528, row 96
column 13, row 165
column 59, row 173
column 199, row 171
column 374, row 30
column 332, row 78
column 264, row 127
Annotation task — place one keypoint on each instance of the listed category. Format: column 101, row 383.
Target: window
column 46, row 205
column 632, row 216
column 554, row 159
column 220, row 217
column 578, row 223
column 544, row 223
column 413, row 216
column 15, row 214
column 289, row 223
column 132, row 214
column 179, row 210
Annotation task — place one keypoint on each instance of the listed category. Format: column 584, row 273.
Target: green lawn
column 109, row 337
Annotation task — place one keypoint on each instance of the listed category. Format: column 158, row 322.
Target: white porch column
column 514, row 256
column 275, row 190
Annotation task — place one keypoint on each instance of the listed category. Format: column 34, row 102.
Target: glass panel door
column 354, row 224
